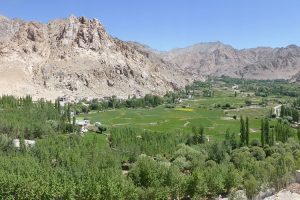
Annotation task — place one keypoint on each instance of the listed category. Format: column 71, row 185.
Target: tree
column 69, row 113
column 247, row 132
column 74, row 121
column 298, row 133
column 262, row 135
column 23, row 147
column 282, row 130
column 230, row 139
column 295, row 115
column 242, row 131
column 248, row 102
column 266, row 132
column 272, row 137
column 282, row 111
column 101, row 129
column 58, row 107
column 201, row 135
column 198, row 136
column 251, row 186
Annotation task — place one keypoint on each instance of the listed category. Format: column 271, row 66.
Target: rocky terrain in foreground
column 78, row 58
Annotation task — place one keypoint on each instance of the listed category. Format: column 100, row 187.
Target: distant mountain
column 78, row 58
column 219, row 59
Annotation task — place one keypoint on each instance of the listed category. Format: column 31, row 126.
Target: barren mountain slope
column 219, row 59
column 77, row 57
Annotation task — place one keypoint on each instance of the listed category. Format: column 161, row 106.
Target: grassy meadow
column 199, row 111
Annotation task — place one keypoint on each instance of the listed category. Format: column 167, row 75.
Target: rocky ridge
column 77, row 57
column 217, row 59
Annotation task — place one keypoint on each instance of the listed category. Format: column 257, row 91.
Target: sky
column 168, row 24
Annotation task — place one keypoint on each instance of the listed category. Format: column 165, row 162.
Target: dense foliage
column 75, row 167
column 115, row 103
column 263, row 88
column 23, row 117
column 132, row 163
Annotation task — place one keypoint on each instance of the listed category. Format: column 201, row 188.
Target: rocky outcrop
column 77, row 57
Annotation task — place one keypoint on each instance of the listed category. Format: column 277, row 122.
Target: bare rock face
column 218, row 59
column 77, row 57
column 8, row 28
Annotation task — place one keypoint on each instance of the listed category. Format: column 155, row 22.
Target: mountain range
column 78, row 58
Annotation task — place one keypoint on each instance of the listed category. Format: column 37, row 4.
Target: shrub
column 255, row 142
column 258, row 153
column 170, row 106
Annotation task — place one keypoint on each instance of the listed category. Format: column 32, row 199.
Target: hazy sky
column 166, row 24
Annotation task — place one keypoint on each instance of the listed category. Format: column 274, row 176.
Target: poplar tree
column 266, row 132
column 272, row 138
column 247, row 133
column 242, row 130
column 262, row 135
column 298, row 133
column 69, row 113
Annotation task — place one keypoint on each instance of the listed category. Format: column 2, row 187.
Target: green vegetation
column 204, row 141
column 23, row 118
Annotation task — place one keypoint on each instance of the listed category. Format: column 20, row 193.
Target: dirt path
column 186, row 124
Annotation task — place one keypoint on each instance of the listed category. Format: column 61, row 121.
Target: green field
column 195, row 112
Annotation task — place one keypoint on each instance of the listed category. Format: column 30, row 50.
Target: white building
column 277, row 110
column 83, row 124
column 28, row 143
column 235, row 87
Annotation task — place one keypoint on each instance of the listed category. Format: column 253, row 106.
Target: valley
column 86, row 115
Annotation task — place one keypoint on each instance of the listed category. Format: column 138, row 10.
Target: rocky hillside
column 219, row 59
column 77, row 57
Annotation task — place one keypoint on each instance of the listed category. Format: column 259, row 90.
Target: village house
column 277, row 110
column 83, row 124
column 63, row 98
column 235, row 87
column 28, row 143
column 106, row 98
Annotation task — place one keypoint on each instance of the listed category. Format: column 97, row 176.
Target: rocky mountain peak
column 77, row 57
column 8, row 27
column 80, row 32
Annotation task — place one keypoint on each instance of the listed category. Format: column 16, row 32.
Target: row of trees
column 266, row 137
column 290, row 113
column 21, row 117
column 269, row 133
column 113, row 102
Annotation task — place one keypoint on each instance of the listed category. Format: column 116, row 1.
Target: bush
column 273, row 116
column 258, row 153
column 101, row 129
column 170, row 106
column 248, row 102
column 251, row 186
column 255, row 142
